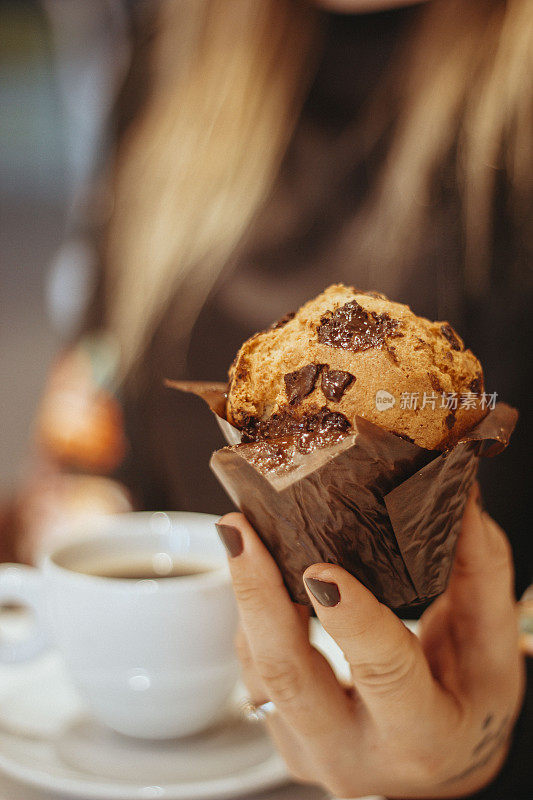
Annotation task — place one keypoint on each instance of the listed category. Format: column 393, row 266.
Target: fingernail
column 231, row 538
column 325, row 592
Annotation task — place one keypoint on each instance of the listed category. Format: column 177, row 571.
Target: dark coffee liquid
column 159, row 566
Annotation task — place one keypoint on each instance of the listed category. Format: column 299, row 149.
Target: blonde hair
column 227, row 83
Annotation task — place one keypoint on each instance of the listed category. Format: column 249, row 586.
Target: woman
column 264, row 150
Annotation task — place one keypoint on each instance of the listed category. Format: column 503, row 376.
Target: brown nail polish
column 231, row 538
column 325, row 592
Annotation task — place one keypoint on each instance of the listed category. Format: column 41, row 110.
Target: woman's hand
column 424, row 717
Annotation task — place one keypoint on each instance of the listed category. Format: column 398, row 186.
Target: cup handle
column 19, row 583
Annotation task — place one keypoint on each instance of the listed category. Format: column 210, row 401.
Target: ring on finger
column 257, row 713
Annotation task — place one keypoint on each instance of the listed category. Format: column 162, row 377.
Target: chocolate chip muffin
column 348, row 354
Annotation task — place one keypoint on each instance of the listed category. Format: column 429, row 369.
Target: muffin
column 354, row 431
column 348, row 354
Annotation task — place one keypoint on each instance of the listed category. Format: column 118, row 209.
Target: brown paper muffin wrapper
column 383, row 508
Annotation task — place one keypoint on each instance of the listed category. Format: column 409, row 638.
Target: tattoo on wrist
column 494, row 736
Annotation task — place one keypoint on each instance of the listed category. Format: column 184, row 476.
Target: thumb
column 386, row 659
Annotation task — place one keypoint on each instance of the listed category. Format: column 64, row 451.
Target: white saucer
column 48, row 740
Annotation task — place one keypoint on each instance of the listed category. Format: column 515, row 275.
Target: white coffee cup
column 153, row 657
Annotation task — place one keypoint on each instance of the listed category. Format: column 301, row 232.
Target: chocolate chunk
column 275, row 427
column 283, row 321
column 304, row 433
column 248, row 427
column 450, row 420
column 300, row 383
column 321, row 429
column 452, row 337
column 476, row 385
column 352, row 328
column 435, row 383
column 334, row 383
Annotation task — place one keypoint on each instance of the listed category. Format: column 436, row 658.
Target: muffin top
column 348, row 354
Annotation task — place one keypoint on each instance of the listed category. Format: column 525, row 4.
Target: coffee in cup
column 142, row 610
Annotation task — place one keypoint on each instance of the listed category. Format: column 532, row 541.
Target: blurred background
column 33, row 206
column 60, row 63
column 269, row 152
column 59, row 66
